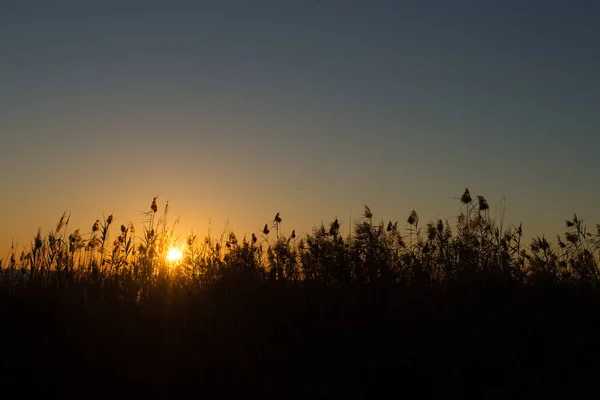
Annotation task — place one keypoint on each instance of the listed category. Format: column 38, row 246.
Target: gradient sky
column 226, row 108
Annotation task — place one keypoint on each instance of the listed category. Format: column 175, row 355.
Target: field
column 433, row 309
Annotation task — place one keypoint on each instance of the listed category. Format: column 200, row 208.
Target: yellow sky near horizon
column 223, row 218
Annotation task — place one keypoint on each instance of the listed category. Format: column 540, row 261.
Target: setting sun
column 174, row 255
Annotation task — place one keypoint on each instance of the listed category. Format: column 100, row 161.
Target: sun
column 174, row 254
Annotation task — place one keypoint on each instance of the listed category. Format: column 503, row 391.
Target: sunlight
column 174, row 255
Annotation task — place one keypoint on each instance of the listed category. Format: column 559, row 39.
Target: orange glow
column 174, row 255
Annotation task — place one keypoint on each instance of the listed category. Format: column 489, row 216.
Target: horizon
column 180, row 229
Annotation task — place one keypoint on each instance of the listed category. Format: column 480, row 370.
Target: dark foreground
column 280, row 340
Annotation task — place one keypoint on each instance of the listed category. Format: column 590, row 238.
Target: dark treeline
column 418, row 310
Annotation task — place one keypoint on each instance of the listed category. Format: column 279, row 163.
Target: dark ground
column 273, row 339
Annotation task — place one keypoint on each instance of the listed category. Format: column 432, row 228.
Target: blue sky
column 227, row 108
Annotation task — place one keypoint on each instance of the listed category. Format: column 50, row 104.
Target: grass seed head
column 466, row 197
column 431, row 231
column 38, row 240
column 334, row 228
column 413, row 218
column 61, row 222
column 483, row 204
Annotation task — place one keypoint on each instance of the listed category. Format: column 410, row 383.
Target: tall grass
column 463, row 305
column 475, row 248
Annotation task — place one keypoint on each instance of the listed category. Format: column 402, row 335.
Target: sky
column 234, row 110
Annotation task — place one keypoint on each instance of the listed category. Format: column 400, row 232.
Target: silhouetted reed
column 319, row 312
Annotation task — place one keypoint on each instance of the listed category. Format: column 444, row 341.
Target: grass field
column 403, row 307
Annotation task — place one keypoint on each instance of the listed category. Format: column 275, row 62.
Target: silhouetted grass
column 430, row 309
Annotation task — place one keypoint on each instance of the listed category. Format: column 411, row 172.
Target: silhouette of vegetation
column 394, row 306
